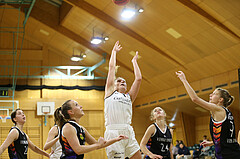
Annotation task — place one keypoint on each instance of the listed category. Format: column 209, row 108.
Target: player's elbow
column 139, row 79
column 45, row 148
column 79, row 153
column 142, row 146
column 80, row 150
column 195, row 99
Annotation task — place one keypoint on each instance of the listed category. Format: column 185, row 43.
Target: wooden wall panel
column 202, row 128
column 179, row 131
column 140, row 123
column 188, row 129
column 4, row 130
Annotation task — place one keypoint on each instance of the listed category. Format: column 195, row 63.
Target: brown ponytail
column 57, row 116
column 227, row 98
column 230, row 100
column 62, row 115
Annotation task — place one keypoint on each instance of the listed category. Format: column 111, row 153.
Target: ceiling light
column 174, row 33
column 79, row 57
column 140, row 10
column 76, row 58
column 44, row 32
column 128, row 13
column 96, row 40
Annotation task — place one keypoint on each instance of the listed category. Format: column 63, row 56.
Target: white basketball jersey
column 57, row 148
column 118, row 109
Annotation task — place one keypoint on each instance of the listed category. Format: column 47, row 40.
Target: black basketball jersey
column 160, row 142
column 223, row 136
column 18, row 148
column 67, row 151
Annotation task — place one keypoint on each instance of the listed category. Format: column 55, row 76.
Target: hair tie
column 60, row 112
column 229, row 98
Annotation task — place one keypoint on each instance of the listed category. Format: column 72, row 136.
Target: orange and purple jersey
column 67, row 151
column 223, row 137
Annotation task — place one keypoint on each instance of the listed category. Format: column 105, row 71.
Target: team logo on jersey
column 123, row 100
column 81, row 136
column 23, row 142
column 230, row 117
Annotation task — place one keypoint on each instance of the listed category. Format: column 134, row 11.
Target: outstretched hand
column 121, row 137
column 206, row 143
column 117, row 47
column 181, row 75
column 153, row 156
column 135, row 57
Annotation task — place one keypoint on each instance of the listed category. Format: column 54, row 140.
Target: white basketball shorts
column 124, row 148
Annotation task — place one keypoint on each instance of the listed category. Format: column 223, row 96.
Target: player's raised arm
column 138, row 78
column 109, row 88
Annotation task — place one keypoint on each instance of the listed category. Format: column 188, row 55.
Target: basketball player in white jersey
column 118, row 110
column 53, row 141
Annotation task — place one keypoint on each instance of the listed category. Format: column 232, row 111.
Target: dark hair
column 13, row 115
column 182, row 144
column 62, row 115
column 57, row 116
column 227, row 98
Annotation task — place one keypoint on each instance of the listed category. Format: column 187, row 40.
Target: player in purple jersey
column 73, row 136
column 222, row 128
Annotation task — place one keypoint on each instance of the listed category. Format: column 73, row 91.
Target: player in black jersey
column 73, row 136
column 17, row 141
column 222, row 126
column 157, row 137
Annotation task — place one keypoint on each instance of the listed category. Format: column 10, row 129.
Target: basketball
column 120, row 2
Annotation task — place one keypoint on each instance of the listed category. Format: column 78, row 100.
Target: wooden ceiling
column 209, row 44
